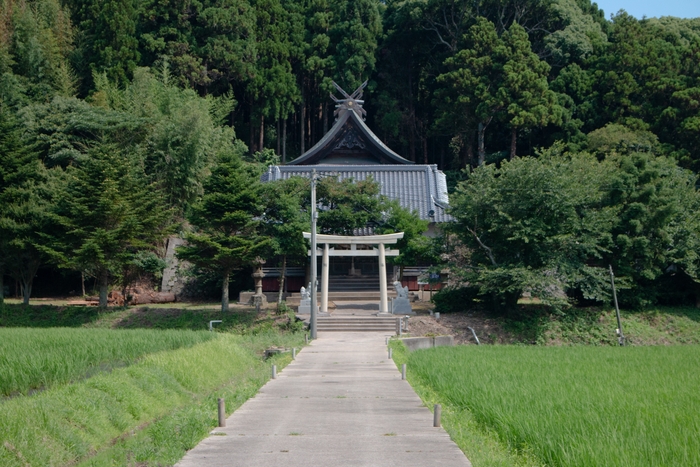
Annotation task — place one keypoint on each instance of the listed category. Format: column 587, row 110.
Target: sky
column 651, row 8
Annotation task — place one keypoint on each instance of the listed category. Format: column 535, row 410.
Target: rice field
column 574, row 406
column 33, row 359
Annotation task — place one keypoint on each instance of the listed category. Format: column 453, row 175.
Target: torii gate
column 353, row 241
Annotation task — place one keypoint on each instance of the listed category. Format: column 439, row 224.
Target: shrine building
column 350, row 150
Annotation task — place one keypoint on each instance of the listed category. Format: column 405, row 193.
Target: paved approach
column 340, row 403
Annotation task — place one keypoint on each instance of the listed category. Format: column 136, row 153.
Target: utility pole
column 313, row 254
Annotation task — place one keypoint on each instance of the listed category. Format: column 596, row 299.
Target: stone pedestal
column 259, row 298
column 401, row 306
column 305, row 307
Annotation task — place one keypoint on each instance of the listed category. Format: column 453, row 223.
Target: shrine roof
column 420, row 188
column 350, row 133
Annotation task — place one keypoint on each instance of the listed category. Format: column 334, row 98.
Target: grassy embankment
column 148, row 412
column 564, row 406
column 595, row 326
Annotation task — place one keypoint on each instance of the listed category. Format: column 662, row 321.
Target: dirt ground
column 488, row 330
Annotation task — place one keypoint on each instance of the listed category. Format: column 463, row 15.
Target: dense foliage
column 129, row 105
column 552, row 226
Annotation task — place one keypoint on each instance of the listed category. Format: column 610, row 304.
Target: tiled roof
column 421, row 188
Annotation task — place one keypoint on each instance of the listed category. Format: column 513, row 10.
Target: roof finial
column 352, row 101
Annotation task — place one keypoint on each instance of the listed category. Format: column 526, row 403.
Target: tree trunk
column 482, row 149
column 224, row 293
column 26, row 278
column 325, row 119
column 313, row 123
column 251, row 148
column 2, row 286
column 425, row 150
column 82, row 282
column 284, row 141
column 513, row 142
column 470, row 149
column 279, row 138
column 283, row 275
column 262, row 133
column 302, row 123
column 26, row 291
column 104, row 288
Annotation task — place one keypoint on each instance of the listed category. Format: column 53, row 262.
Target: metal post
column 274, row 371
column 403, row 371
column 620, row 335
column 474, row 334
column 313, row 254
column 222, row 412
column 294, row 353
column 324, row 278
column 306, row 338
column 389, row 354
column 436, row 415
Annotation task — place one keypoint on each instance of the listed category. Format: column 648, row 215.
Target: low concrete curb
column 416, row 343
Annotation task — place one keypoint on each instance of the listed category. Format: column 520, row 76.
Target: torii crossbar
column 381, row 252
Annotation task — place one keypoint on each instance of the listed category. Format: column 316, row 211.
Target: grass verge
column 167, row 397
column 568, row 406
column 33, row 359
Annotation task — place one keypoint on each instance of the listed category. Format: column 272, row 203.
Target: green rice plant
column 171, row 394
column 33, row 359
column 574, row 406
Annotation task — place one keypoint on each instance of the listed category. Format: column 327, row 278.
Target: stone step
column 362, row 324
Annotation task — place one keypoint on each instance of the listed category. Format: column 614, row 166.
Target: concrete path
column 341, row 403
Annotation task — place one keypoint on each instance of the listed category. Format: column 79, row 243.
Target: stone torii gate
column 381, row 252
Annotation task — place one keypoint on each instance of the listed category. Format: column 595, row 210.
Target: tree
column 226, row 235
column 530, row 102
column 537, row 225
column 285, row 217
column 474, row 84
column 348, row 205
column 106, row 214
column 24, row 195
column 656, row 226
column 107, row 41
column 415, row 247
column 272, row 86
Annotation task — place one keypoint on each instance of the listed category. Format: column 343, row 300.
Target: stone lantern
column 258, row 299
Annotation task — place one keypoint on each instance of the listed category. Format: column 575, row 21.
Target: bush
column 453, row 299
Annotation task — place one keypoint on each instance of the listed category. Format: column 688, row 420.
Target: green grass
column 567, row 406
column 241, row 319
column 152, row 410
column 41, row 358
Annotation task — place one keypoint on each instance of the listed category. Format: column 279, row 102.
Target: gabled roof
column 420, row 188
column 349, row 142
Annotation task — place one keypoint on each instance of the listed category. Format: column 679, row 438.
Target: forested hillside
column 113, row 113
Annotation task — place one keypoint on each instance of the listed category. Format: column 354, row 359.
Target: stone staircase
column 356, row 324
column 357, row 283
